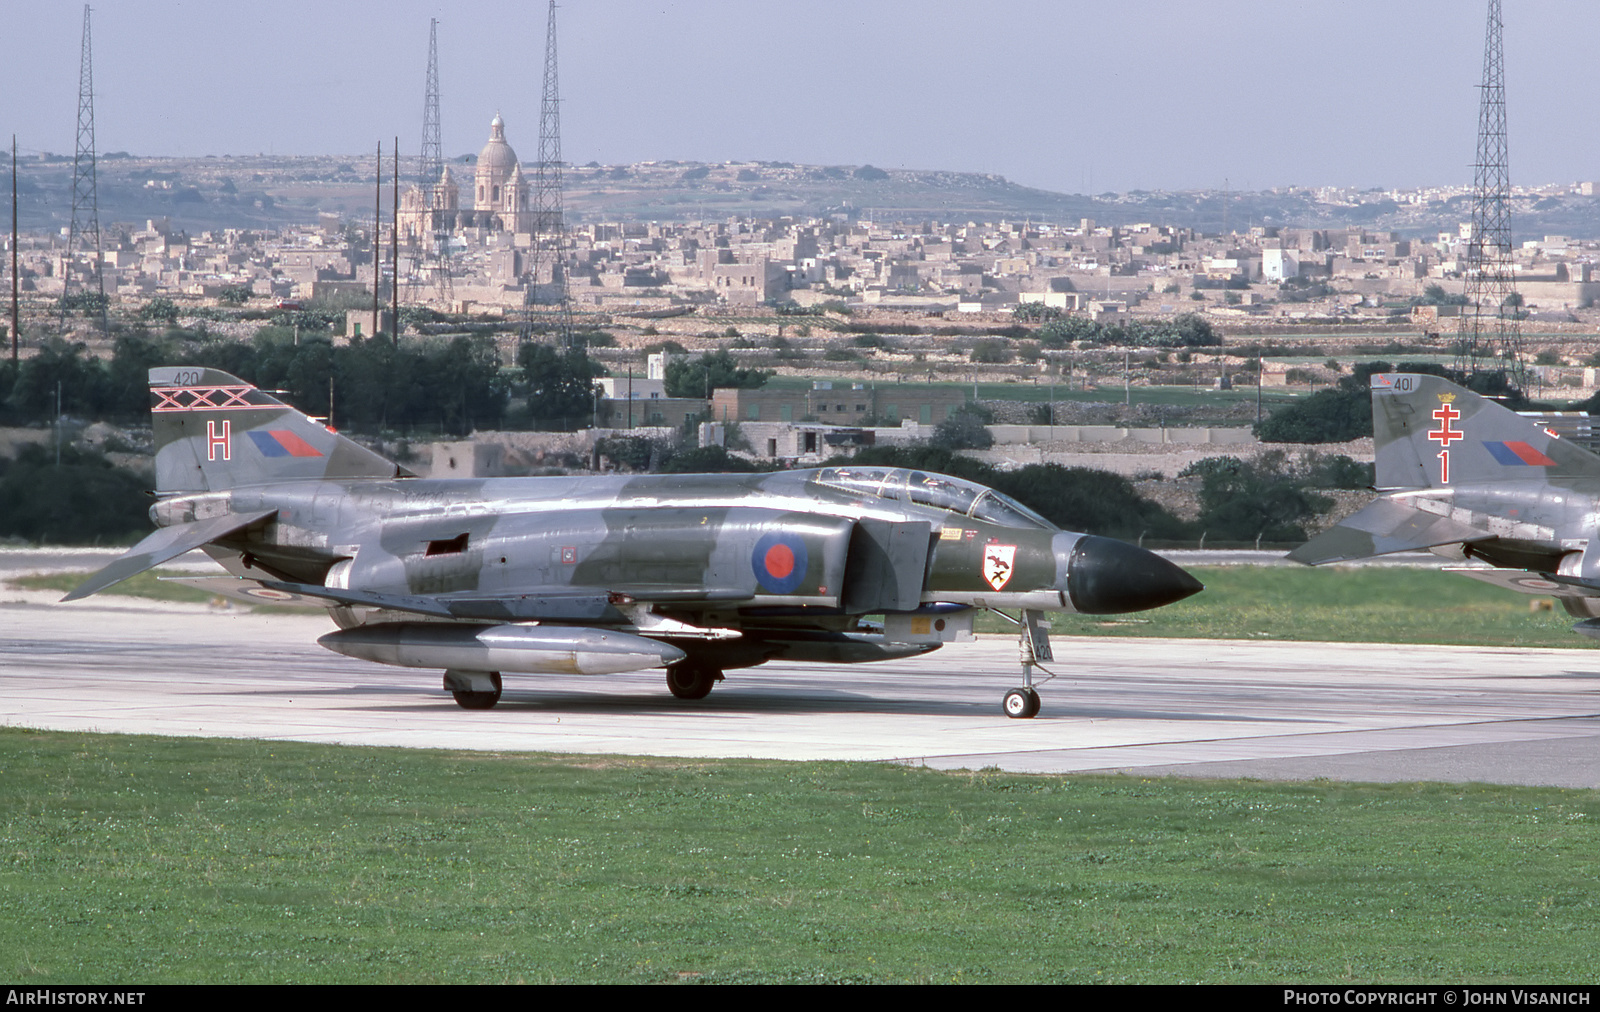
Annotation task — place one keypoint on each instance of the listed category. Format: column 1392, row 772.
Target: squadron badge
column 997, row 564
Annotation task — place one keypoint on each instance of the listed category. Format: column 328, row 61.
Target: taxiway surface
column 1188, row 707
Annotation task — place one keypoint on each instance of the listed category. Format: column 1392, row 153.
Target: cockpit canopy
column 937, row 490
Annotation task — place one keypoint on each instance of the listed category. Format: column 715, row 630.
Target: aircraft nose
column 1108, row 577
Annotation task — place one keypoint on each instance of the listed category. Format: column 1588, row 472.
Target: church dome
column 497, row 158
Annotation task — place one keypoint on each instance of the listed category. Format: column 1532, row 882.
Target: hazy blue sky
column 1065, row 95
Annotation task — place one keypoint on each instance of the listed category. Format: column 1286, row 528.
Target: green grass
column 147, row 584
column 169, row 860
column 1352, row 604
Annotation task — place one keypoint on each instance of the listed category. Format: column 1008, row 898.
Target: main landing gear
column 1033, row 646
column 473, row 690
column 689, row 680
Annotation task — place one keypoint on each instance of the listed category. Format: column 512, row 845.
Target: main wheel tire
column 479, row 700
column 1021, row 703
column 691, row 681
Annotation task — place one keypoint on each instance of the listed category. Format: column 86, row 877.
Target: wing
column 1525, row 582
column 1381, row 527
column 164, row 545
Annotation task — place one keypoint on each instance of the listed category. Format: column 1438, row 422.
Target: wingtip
column 93, row 585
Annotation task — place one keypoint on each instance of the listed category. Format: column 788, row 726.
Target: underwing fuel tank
column 534, row 650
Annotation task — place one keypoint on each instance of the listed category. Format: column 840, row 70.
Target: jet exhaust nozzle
column 536, row 650
column 1109, row 577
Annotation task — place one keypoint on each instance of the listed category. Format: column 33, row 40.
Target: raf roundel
column 779, row 562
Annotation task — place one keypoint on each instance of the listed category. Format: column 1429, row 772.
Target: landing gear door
column 1036, row 635
column 888, row 565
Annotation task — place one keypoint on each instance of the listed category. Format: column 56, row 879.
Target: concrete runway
column 1147, row 707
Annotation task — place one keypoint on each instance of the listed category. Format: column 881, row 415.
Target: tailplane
column 1429, row 433
column 215, row 431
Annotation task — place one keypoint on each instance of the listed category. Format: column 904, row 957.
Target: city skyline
column 1067, row 97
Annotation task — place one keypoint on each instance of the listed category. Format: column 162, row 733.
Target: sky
column 1066, row 95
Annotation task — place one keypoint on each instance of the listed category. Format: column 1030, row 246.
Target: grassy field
column 1349, row 605
column 1352, row 604
column 161, row 860
column 147, row 584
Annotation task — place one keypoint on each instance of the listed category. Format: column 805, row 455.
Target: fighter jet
column 1468, row 479
column 696, row 574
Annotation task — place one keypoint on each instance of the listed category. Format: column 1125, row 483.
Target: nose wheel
column 1021, row 703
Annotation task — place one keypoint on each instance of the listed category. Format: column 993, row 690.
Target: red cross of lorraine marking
column 1444, row 435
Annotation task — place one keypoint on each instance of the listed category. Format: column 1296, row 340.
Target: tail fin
column 1430, row 433
column 215, row 431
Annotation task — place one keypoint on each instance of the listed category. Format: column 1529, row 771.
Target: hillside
column 266, row 191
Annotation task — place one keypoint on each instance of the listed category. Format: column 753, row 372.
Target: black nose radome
column 1107, row 577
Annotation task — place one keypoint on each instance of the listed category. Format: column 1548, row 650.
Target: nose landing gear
column 1033, row 646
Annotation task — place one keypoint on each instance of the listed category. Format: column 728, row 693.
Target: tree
column 710, row 460
column 1068, row 329
column 466, row 384
column 90, row 303
column 561, row 387
column 1036, row 311
column 992, row 350
column 1435, row 295
column 713, row 370
column 1085, row 499
column 67, row 368
column 84, row 499
column 1242, row 500
column 160, row 308
column 964, row 430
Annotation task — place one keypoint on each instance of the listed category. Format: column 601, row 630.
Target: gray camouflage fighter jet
column 594, row 575
column 1469, row 479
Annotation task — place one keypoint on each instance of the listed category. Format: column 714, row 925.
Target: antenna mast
column 432, row 146
column 433, row 170
column 1490, row 338
column 85, row 227
column 549, row 224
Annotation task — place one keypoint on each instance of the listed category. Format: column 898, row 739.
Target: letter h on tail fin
column 215, row 431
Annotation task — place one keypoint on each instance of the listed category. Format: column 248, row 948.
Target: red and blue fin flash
column 1516, row 454
column 282, row 443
